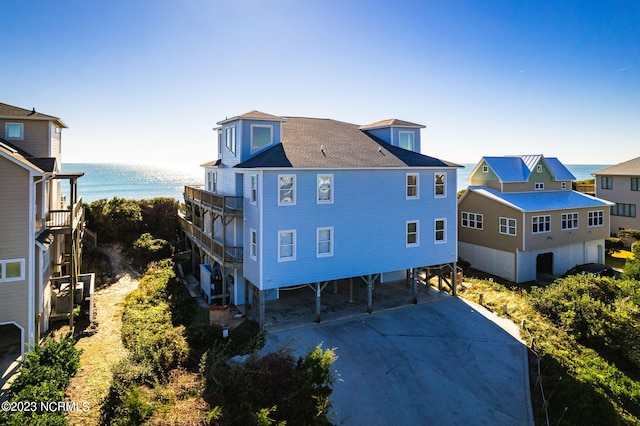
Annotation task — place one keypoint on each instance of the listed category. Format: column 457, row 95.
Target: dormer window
column 485, row 169
column 406, row 140
column 261, row 136
column 14, row 131
column 231, row 138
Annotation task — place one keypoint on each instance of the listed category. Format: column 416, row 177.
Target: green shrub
column 149, row 249
column 613, row 245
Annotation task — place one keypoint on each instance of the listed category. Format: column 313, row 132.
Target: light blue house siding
column 235, row 153
column 391, row 135
column 367, row 218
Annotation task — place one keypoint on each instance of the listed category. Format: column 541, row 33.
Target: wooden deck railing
column 225, row 254
column 61, row 219
column 221, row 202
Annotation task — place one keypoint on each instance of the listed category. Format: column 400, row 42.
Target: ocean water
column 107, row 180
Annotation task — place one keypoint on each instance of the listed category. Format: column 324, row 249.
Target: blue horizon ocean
column 108, row 180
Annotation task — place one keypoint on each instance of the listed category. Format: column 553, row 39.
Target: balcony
column 59, row 221
column 222, row 253
column 222, row 203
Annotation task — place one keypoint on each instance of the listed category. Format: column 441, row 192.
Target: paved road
column 437, row 363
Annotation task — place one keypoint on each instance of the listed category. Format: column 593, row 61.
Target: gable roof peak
column 391, row 122
column 253, row 115
column 17, row 113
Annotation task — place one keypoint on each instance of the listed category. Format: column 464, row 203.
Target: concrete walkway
column 440, row 362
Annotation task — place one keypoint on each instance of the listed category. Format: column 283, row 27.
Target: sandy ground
column 103, row 347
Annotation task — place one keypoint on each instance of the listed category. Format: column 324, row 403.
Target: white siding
column 492, row 261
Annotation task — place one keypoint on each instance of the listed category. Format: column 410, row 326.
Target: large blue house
column 295, row 200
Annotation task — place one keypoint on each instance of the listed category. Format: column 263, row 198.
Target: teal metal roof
column 518, row 168
column 534, row 201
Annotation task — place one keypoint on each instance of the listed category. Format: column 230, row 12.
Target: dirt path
column 104, row 348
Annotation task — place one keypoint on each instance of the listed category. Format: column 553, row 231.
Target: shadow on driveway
column 441, row 362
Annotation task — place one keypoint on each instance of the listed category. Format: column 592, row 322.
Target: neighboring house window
column 440, row 189
column 231, row 138
column 212, row 181
column 596, row 218
column 627, row 210
column 539, row 168
column 539, row 186
column 324, row 237
column 286, row 246
column 569, row 221
column 261, row 136
column 635, row 184
column 325, row 189
column 472, row 220
column 508, row 226
column 606, row 182
column 219, row 141
column 406, row 140
column 254, row 189
column 11, row 270
column 440, row 231
column 14, row 131
column 412, row 185
column 563, row 185
column 254, row 245
column 540, row 224
column 412, row 233
column 485, row 169
column 286, row 190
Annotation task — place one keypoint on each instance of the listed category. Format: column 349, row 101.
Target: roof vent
column 32, row 112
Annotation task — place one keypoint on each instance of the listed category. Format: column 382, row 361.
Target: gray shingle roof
column 253, row 115
column 627, row 168
column 326, row 143
column 391, row 122
column 10, row 111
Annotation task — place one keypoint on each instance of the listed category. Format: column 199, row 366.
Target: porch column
column 454, row 279
column 369, row 282
column 414, row 286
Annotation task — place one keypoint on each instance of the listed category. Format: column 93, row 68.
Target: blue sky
column 145, row 81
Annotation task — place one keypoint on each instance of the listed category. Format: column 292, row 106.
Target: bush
column 632, row 266
column 613, row 245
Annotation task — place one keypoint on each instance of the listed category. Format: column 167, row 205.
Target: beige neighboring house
column 40, row 228
column 620, row 184
column 520, row 220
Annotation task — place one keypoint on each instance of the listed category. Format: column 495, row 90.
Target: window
column 212, row 181
column 563, row 185
column 324, row 238
column 539, row 168
column 569, row 221
column 485, row 169
column 596, row 218
column 219, row 141
column 440, row 231
column 325, row 189
column 440, row 189
column 406, row 140
column 412, row 185
column 261, row 136
column 472, row 220
column 507, row 226
column 14, row 131
column 540, row 224
column 620, row 209
column 231, row 138
column 253, row 245
column 539, row 186
column 11, row 270
column 254, row 189
column 635, row 184
column 286, row 246
column 286, row 190
column 606, row 182
column 412, row 233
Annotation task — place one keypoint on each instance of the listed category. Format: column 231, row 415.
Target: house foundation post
column 318, row 304
column 247, row 306
column 454, row 279
column 261, row 307
column 351, row 290
column 414, row 286
column 369, row 282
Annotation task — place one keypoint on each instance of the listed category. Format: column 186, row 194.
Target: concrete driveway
column 443, row 362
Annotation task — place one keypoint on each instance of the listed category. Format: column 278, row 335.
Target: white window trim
column 563, row 185
column 466, row 216
column 4, row 263
column 595, row 214
column 539, row 168
column 444, row 230
column 539, row 186
column 406, row 181
column 6, row 131
column 406, row 234
column 318, row 200
column 444, row 185
column 230, row 138
column 270, row 136
column 330, row 253
column 293, row 192
column 253, row 198
column 485, row 169
column 541, row 216
column 515, row 226
column 413, row 139
column 565, row 217
column 293, row 249
column 253, row 248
